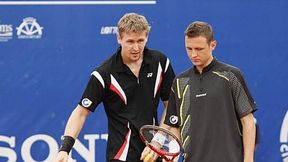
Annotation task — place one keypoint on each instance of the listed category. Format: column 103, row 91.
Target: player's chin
column 196, row 61
column 135, row 57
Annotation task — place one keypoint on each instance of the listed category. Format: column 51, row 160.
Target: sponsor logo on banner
column 284, row 138
column 8, row 150
column 109, row 30
column 29, row 29
column 6, row 32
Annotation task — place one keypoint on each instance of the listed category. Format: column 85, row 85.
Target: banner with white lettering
column 48, row 50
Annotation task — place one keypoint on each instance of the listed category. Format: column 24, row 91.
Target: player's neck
column 200, row 68
column 134, row 66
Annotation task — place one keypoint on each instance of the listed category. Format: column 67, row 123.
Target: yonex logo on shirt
column 149, row 75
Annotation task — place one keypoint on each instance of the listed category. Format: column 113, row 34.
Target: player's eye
column 199, row 49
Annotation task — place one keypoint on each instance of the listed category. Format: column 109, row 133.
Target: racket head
column 168, row 146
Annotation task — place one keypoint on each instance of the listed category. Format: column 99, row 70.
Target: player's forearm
column 249, row 133
column 76, row 121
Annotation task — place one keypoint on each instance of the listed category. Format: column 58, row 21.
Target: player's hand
column 149, row 155
column 62, row 156
column 174, row 160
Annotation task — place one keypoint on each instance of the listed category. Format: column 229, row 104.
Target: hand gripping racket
column 161, row 141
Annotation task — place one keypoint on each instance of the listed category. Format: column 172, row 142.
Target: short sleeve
column 172, row 115
column 94, row 92
column 242, row 97
column 168, row 76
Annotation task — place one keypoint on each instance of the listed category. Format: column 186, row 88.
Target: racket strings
column 161, row 141
column 169, row 145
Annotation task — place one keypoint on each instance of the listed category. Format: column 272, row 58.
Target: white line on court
column 77, row 2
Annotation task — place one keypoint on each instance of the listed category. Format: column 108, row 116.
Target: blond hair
column 133, row 22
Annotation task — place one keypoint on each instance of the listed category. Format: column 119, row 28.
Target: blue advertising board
column 49, row 48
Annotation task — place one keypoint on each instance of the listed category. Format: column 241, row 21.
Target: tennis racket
column 161, row 141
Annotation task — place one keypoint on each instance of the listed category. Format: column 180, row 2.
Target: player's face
column 132, row 45
column 199, row 51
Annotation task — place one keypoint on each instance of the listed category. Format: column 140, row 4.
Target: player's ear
column 147, row 37
column 213, row 44
column 118, row 38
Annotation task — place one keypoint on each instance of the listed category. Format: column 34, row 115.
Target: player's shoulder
column 155, row 57
column 106, row 66
column 183, row 77
column 228, row 69
column 155, row 54
column 186, row 73
column 222, row 66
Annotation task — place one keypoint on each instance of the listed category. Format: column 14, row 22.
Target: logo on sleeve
column 86, row 102
column 173, row 119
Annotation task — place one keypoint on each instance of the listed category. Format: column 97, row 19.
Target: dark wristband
column 67, row 143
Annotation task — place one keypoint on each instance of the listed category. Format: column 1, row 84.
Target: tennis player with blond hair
column 129, row 84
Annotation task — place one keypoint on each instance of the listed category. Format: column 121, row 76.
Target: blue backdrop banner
column 49, row 48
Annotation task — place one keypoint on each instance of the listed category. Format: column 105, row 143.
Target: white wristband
column 160, row 138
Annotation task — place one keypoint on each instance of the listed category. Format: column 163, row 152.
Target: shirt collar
column 121, row 67
column 207, row 68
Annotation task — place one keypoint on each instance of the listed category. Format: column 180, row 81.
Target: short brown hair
column 199, row 28
column 133, row 22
